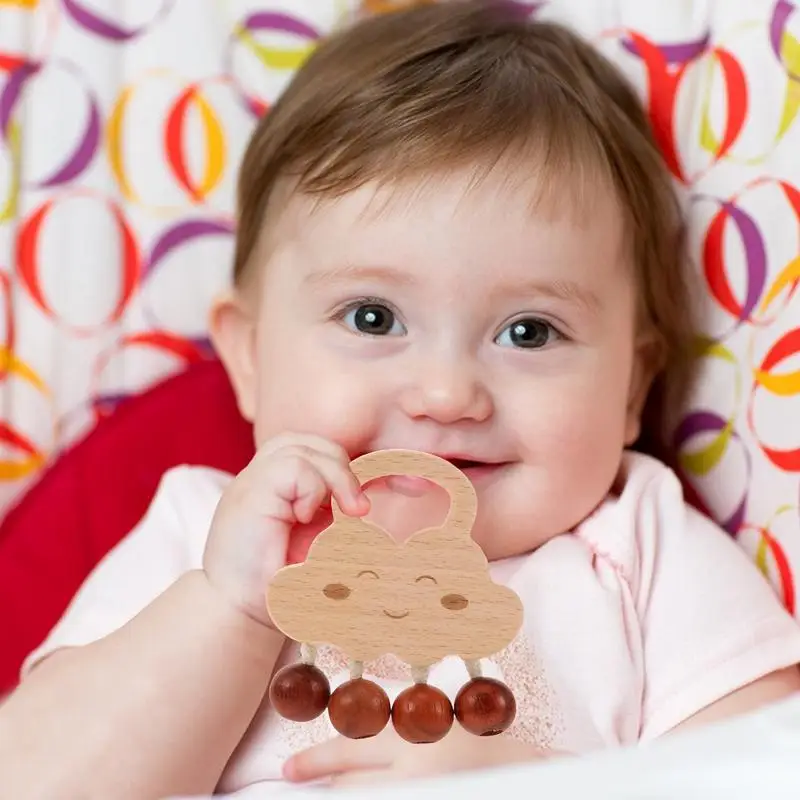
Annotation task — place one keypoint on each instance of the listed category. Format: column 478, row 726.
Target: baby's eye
column 372, row 319
column 529, row 333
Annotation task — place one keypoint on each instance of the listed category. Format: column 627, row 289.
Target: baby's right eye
column 372, row 319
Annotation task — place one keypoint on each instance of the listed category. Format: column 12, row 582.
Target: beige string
column 308, row 653
column 356, row 670
column 420, row 674
column 474, row 669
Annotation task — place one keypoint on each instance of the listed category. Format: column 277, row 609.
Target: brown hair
column 451, row 84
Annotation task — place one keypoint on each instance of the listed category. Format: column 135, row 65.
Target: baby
column 455, row 236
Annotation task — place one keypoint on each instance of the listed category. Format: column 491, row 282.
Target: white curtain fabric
column 121, row 126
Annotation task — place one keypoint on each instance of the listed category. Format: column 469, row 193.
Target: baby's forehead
column 520, row 181
column 498, row 218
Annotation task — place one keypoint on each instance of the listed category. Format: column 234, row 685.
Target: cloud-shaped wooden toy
column 422, row 600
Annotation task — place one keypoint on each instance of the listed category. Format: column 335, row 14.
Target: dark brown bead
column 299, row 692
column 422, row 714
column 485, row 707
column 359, row 709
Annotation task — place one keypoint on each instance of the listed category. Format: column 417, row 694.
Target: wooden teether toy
column 432, row 596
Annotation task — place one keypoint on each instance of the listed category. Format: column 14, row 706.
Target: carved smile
column 395, row 615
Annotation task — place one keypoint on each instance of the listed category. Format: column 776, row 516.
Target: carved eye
column 368, row 573
column 455, row 602
column 336, row 591
column 427, row 579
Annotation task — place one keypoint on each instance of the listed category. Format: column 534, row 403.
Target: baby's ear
column 648, row 361
column 233, row 333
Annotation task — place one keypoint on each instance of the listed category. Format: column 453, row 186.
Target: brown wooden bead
column 299, row 692
column 485, row 707
column 359, row 709
column 422, row 714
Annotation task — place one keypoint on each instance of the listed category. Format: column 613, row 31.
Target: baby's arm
column 716, row 641
column 155, row 708
column 771, row 688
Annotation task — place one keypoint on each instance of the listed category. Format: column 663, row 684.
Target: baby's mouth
column 478, row 470
column 465, row 464
column 396, row 614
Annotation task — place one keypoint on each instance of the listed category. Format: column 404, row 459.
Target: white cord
column 474, row 669
column 420, row 674
column 308, row 654
column 356, row 670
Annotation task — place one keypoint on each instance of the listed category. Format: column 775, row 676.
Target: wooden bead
column 299, row 692
column 422, row 714
column 485, row 707
column 359, row 709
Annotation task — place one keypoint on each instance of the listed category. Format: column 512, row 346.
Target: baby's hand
column 288, row 482
column 387, row 758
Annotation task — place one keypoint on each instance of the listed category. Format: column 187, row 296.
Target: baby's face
column 463, row 320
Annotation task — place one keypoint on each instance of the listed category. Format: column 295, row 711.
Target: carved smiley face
column 425, row 599
column 341, row 591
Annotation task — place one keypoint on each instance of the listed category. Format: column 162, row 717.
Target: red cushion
column 94, row 493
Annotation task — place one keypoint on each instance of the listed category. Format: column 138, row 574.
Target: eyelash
column 557, row 333
column 352, row 305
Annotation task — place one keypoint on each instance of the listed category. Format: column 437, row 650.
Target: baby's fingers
column 336, row 757
column 342, row 484
column 303, row 480
column 310, row 492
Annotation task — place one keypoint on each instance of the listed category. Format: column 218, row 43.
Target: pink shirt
column 642, row 616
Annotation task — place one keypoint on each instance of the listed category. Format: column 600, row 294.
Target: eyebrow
column 560, row 289
column 350, row 272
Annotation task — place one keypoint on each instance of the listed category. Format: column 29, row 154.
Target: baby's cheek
column 570, row 415
column 574, row 440
column 319, row 397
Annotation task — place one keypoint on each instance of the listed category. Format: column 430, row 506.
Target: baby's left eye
column 372, row 319
column 530, row 333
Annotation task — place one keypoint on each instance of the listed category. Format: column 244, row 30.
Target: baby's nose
column 447, row 392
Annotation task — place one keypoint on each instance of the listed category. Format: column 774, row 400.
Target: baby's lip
column 473, row 462
column 478, row 469
column 480, row 472
column 458, row 459
column 396, row 614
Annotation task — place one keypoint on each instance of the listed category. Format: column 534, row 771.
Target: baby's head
column 456, row 235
